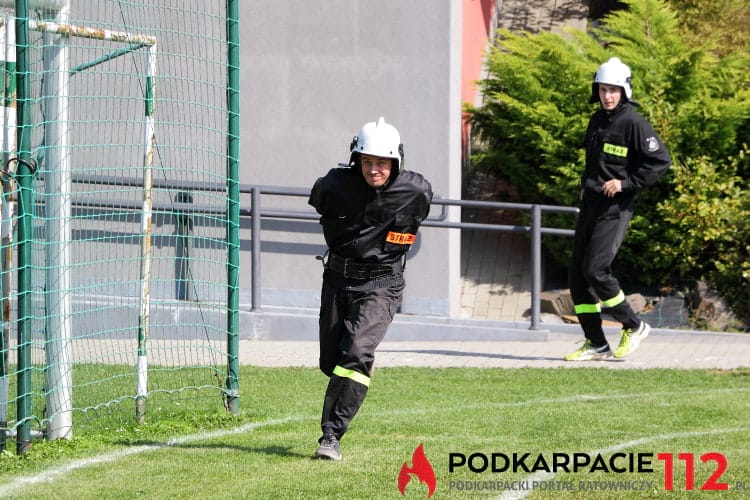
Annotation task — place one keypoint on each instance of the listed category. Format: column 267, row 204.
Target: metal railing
column 536, row 230
column 182, row 208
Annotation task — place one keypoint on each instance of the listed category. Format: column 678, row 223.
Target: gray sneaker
column 329, row 448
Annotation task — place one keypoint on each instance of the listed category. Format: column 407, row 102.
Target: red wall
column 476, row 20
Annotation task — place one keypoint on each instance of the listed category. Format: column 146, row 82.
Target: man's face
column 376, row 170
column 610, row 96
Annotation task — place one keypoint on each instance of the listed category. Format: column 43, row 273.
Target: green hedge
column 694, row 223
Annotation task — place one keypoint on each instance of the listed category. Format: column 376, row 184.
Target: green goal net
column 119, row 289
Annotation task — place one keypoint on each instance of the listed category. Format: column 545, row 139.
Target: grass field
column 556, row 414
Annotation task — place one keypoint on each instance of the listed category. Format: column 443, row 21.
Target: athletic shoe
column 630, row 339
column 329, row 448
column 588, row 352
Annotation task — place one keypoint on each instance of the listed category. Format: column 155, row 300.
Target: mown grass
column 452, row 410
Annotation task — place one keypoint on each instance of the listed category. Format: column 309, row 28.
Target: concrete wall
column 312, row 74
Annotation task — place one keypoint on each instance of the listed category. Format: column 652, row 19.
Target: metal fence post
column 24, row 175
column 255, row 235
column 536, row 265
column 183, row 227
column 233, row 205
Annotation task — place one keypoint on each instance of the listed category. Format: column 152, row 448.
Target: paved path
column 542, row 15
column 495, row 266
column 662, row 349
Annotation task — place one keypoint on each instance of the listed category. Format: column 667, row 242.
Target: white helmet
column 612, row 72
column 378, row 139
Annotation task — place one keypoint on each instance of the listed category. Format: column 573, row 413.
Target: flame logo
column 422, row 468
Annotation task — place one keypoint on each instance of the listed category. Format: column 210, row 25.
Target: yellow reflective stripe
column 615, row 150
column 617, row 299
column 354, row 375
column 588, row 308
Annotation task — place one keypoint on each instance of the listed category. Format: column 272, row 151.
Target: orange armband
column 400, row 238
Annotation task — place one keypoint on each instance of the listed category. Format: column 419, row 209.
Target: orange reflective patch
column 400, row 238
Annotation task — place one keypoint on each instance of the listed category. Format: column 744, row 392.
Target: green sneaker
column 630, row 339
column 588, row 352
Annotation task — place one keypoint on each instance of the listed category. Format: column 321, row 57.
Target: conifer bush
column 694, row 224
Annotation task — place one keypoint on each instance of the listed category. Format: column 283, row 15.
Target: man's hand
column 612, row 187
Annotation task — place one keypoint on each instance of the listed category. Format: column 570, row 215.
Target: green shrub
column 707, row 228
column 692, row 224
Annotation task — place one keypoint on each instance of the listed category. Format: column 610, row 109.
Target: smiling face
column 376, row 170
column 610, row 96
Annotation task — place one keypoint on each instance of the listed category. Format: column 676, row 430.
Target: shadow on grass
column 469, row 354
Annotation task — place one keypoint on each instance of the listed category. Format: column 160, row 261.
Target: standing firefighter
column 623, row 156
column 370, row 213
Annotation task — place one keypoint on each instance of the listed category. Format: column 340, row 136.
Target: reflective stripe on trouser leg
column 354, row 375
column 343, row 399
column 588, row 308
column 615, row 301
column 620, row 309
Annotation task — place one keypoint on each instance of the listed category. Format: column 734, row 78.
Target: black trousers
column 354, row 318
column 600, row 230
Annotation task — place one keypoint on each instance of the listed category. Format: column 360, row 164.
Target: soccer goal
column 115, row 289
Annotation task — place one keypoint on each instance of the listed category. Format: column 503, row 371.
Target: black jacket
column 367, row 224
column 623, row 145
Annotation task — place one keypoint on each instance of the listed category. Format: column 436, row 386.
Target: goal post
column 58, row 344
column 7, row 210
column 58, row 377
column 92, row 300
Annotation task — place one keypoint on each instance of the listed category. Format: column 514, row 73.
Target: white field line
column 546, row 476
column 51, row 474
column 579, row 398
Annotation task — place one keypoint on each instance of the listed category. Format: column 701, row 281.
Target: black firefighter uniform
column 619, row 145
column 368, row 232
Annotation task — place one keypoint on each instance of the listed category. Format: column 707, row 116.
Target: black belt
column 350, row 268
